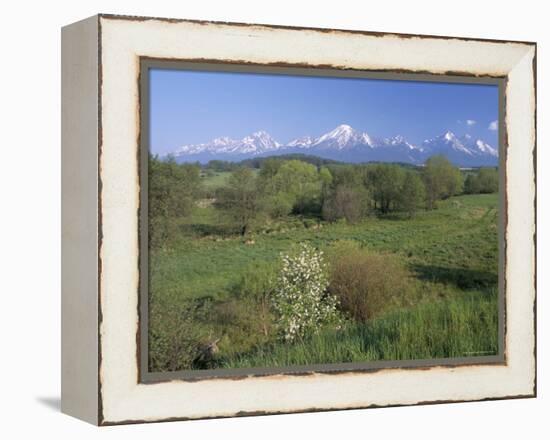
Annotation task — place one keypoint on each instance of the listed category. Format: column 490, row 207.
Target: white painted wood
column 79, row 180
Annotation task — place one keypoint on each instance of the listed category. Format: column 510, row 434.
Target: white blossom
column 301, row 299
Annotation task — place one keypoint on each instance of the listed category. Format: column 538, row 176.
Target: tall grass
column 461, row 327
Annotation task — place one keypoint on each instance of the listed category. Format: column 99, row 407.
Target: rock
column 206, row 355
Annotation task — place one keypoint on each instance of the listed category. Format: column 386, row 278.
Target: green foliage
column 176, row 331
column 325, row 176
column 289, row 186
column 413, row 193
column 278, row 205
column 298, row 180
column 172, row 191
column 346, row 202
column 221, row 166
column 351, row 176
column 442, row 180
column 386, row 182
column 258, row 162
column 266, row 177
column 240, row 198
column 256, row 289
column 484, row 182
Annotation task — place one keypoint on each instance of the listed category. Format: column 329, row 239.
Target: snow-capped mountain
column 302, row 142
column 257, row 143
column 341, row 138
column 463, row 150
column 346, row 144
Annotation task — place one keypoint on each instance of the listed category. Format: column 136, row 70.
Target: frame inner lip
column 148, row 377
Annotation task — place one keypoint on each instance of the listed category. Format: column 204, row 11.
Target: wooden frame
column 101, row 201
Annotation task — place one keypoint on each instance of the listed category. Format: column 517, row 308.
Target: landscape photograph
column 299, row 220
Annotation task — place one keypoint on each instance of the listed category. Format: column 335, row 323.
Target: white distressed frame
column 122, row 42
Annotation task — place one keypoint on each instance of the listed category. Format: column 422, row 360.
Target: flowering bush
column 300, row 299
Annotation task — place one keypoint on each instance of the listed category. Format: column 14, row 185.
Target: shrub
column 367, row 284
column 176, row 331
column 301, row 301
column 239, row 325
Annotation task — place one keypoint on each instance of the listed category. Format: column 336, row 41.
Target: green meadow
column 424, row 282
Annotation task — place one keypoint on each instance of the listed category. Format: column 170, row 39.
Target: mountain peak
column 398, row 139
column 449, row 135
column 346, row 144
column 303, row 142
column 344, row 127
column 223, row 140
column 340, row 137
column 261, row 141
column 261, row 133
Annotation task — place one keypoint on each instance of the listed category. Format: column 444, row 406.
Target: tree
column 484, row 182
column 347, row 175
column 442, row 180
column 240, row 198
column 173, row 189
column 386, row 183
column 277, row 205
column 297, row 178
column 289, row 185
column 471, row 184
column 346, row 202
column 412, row 194
column 220, row 165
column 488, row 180
column 325, row 176
column 266, row 176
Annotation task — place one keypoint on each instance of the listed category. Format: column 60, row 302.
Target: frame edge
column 79, row 183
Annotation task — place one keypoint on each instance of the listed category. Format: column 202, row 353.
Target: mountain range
column 345, row 144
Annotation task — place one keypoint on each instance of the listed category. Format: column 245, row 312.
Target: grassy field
column 216, row 179
column 450, row 309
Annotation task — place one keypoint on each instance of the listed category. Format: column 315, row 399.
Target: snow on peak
column 341, row 137
column 345, row 143
column 449, row 136
column 303, row 142
column 224, row 140
column 343, row 131
column 398, row 139
column 465, row 146
column 258, row 142
column 344, row 128
column 367, row 139
column 484, row 147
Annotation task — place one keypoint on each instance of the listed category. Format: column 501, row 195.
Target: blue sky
column 188, row 107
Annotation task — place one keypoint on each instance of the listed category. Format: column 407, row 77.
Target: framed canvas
column 265, row 219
